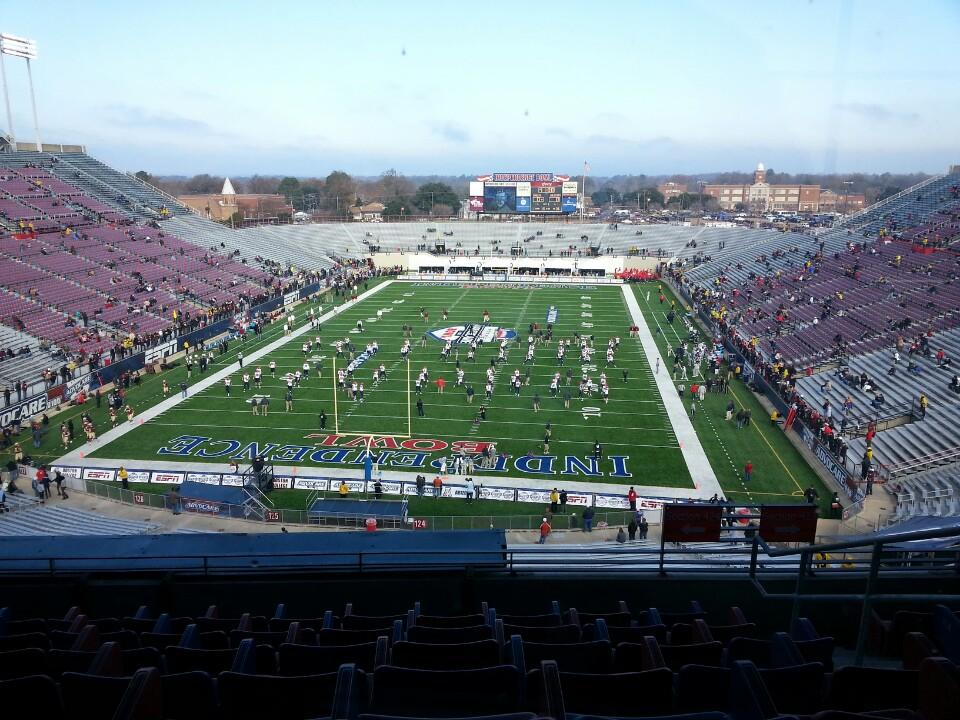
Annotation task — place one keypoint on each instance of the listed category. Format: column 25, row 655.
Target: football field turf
column 639, row 445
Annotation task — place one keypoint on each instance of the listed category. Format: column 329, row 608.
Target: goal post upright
column 370, row 435
column 336, row 416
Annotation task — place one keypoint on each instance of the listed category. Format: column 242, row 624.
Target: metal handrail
column 923, row 460
column 907, row 536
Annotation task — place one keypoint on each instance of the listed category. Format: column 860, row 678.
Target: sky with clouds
column 427, row 87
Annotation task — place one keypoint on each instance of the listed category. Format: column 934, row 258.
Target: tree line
column 440, row 196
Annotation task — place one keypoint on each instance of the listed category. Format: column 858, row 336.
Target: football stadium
column 497, row 434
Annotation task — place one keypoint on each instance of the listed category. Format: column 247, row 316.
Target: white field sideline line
column 705, row 480
column 209, row 381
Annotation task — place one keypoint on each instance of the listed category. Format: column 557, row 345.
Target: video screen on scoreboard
column 499, row 199
column 546, row 197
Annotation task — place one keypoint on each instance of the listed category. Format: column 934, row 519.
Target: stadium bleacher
column 35, row 519
column 79, row 276
column 852, row 326
column 615, row 663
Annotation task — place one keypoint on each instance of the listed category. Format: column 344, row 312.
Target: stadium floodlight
column 27, row 50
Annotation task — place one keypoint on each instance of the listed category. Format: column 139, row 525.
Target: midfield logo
column 476, row 332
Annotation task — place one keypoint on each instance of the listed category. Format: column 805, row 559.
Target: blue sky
column 443, row 87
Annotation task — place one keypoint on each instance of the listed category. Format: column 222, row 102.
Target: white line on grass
column 705, row 480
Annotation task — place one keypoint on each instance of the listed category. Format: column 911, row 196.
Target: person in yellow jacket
column 344, row 489
column 554, row 500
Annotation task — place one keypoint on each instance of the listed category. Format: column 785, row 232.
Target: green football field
column 633, row 423
column 639, row 446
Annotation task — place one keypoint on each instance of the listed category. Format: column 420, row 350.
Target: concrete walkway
column 705, row 480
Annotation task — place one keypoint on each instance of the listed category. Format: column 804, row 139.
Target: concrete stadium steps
column 23, row 367
column 22, row 501
column 931, row 492
column 908, row 208
column 298, row 244
column 60, row 520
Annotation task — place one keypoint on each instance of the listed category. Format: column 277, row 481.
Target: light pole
column 846, row 194
column 26, row 49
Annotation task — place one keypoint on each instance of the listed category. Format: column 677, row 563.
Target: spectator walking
column 632, row 529
column 748, row 472
column 544, row 531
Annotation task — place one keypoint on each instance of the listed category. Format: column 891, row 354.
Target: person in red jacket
column 632, row 498
column 544, row 531
column 748, row 472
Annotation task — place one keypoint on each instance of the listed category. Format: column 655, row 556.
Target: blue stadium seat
column 296, row 659
column 430, row 656
column 443, row 694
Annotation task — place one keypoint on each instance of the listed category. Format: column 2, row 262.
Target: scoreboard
column 546, row 197
column 523, row 193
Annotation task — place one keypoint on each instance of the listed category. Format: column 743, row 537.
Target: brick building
column 761, row 196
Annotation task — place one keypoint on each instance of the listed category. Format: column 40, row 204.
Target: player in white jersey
column 306, row 369
column 459, row 377
column 258, row 377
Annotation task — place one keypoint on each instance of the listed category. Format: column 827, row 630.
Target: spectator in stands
column 588, row 519
column 922, row 403
column 955, row 384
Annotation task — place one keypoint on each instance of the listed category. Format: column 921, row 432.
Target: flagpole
column 583, row 193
